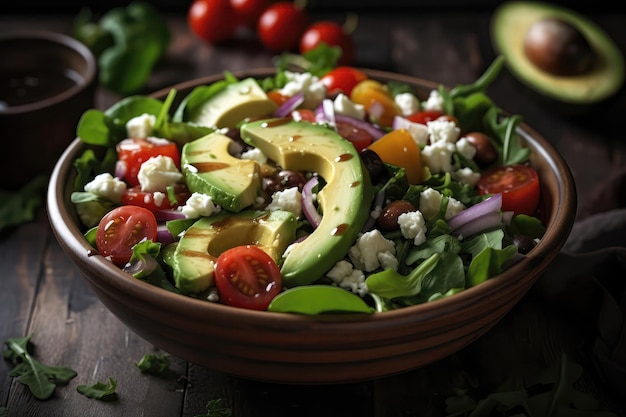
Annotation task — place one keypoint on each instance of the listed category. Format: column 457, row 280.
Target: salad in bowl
column 309, row 191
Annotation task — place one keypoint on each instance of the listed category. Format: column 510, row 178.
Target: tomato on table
column 519, row 185
column 247, row 12
column 213, row 21
column 332, row 34
column 131, row 153
column 281, row 25
column 343, row 79
column 135, row 197
column 121, row 229
column 247, row 277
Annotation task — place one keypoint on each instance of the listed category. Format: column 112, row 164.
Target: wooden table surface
column 43, row 294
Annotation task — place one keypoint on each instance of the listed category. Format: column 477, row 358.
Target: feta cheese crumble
column 157, row 173
column 310, row 85
column 199, row 205
column 140, row 126
column 289, row 199
column 107, row 186
column 372, row 251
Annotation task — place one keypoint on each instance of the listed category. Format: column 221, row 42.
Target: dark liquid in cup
column 18, row 89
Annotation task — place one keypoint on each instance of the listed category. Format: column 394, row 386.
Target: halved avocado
column 510, row 25
column 193, row 259
column 209, row 168
column 345, row 200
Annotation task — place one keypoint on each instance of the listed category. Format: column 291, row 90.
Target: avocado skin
column 345, row 199
column 194, row 256
column 510, row 23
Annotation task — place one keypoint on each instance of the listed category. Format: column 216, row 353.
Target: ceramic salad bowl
column 315, row 349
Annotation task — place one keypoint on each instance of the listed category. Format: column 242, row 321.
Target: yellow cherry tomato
column 377, row 100
column 398, row 148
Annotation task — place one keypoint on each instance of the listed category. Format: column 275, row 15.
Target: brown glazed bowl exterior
column 323, row 349
column 35, row 134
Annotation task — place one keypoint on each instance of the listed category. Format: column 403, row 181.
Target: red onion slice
column 375, row 132
column 308, row 208
column 171, row 214
column 492, row 204
column 290, row 105
column 479, row 224
column 163, row 235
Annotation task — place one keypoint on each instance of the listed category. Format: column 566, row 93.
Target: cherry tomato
column 303, row 114
column 398, row 148
column 425, row 116
column 343, row 79
column 135, row 197
column 519, row 185
column 247, row 12
column 121, row 229
column 332, row 34
column 131, row 153
column 212, row 20
column 360, row 138
column 277, row 97
column 281, row 25
column 247, row 277
column 377, row 100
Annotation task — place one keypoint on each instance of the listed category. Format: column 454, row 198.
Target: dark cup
column 47, row 80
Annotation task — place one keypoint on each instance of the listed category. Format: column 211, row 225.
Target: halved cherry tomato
column 398, row 148
column 121, row 229
column 519, row 185
column 343, row 79
column 277, row 97
column 377, row 100
column 135, row 197
column 424, row 116
column 332, row 34
column 360, row 138
column 131, row 153
column 247, row 277
column 303, row 114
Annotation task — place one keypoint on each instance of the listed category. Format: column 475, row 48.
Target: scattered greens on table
column 127, row 42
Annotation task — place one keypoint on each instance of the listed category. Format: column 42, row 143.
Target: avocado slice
column 510, row 24
column 193, row 259
column 209, row 168
column 345, row 200
column 240, row 100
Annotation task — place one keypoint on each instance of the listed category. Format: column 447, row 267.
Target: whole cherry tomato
column 332, row 34
column 342, row 79
column 519, row 185
column 248, row 12
column 212, row 20
column 247, row 277
column 281, row 25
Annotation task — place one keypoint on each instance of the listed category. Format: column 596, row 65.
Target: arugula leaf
column 19, row 207
column 40, row 379
column 153, row 363
column 99, row 390
column 214, row 408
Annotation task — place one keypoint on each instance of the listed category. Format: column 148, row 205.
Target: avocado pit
column 558, row 47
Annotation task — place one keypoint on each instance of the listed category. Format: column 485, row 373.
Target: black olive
column 524, row 243
column 375, row 166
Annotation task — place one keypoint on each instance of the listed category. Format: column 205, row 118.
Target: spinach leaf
column 99, row 390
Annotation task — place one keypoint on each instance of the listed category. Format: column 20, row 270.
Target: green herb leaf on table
column 99, row 390
column 41, row 379
column 19, row 207
column 153, row 363
column 214, row 408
